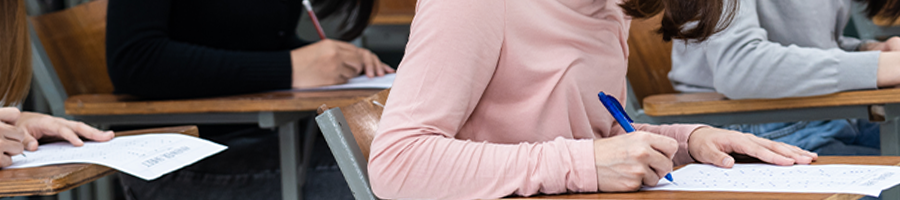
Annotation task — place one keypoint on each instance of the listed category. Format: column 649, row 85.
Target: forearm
column 435, row 167
column 162, row 68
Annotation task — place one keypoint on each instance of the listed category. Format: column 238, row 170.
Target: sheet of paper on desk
column 147, row 156
column 855, row 179
column 360, row 82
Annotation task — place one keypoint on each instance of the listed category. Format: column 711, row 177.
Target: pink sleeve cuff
column 584, row 178
column 682, row 134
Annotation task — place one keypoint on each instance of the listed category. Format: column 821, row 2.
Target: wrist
column 888, row 69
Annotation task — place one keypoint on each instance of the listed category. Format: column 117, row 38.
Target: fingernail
column 728, row 161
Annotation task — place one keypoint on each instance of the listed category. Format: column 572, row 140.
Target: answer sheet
column 855, row 179
column 360, row 82
column 147, row 156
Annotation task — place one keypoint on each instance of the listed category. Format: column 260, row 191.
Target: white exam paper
column 855, row 179
column 360, row 82
column 147, row 156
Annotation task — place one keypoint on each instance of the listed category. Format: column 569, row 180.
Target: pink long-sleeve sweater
column 499, row 97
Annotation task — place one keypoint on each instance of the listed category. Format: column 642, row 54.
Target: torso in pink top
column 499, row 97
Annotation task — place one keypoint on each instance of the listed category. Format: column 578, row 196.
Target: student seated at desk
column 778, row 49
column 22, row 130
column 167, row 49
column 497, row 98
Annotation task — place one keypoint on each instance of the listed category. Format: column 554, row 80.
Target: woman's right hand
column 11, row 143
column 626, row 162
column 330, row 62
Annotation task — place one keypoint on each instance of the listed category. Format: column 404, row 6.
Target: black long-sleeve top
column 164, row 49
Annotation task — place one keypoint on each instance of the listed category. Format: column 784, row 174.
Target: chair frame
column 350, row 159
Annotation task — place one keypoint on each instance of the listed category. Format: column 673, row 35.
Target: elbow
column 381, row 182
column 734, row 90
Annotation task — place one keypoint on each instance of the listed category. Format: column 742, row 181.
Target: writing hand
column 12, row 137
column 330, row 62
column 712, row 145
column 626, row 162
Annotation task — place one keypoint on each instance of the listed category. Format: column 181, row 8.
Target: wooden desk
column 394, row 12
column 865, row 160
column 50, row 180
column 281, row 109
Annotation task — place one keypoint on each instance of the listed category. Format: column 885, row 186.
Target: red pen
column 315, row 20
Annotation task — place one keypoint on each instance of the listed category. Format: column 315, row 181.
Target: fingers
column 12, row 133
column 5, row 160
column 658, row 156
column 659, row 166
column 388, row 68
column 753, row 148
column 10, row 147
column 799, row 156
column 91, row 133
column 31, row 144
column 350, row 55
column 67, row 134
column 9, row 115
column 665, row 145
column 382, row 68
column 717, row 157
column 371, row 67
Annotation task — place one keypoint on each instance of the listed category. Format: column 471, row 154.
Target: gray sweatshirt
column 775, row 49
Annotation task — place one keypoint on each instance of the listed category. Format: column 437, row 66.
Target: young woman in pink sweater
column 499, row 97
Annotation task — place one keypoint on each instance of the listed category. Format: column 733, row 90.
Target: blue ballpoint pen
column 614, row 108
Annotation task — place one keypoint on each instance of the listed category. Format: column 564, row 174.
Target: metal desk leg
column 288, row 142
column 85, row 191
column 890, row 139
column 65, row 195
column 309, row 138
column 890, row 142
column 103, row 188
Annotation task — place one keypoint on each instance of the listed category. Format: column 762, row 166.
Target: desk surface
column 279, row 101
column 711, row 103
column 49, row 180
column 865, row 160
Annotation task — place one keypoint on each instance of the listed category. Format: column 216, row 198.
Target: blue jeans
column 830, row 137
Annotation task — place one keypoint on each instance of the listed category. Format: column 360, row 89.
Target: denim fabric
column 830, row 137
column 248, row 169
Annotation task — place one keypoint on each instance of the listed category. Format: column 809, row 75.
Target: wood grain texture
column 108, row 104
column 75, row 40
column 363, row 117
column 710, row 103
column 649, row 59
column 49, row 180
column 394, row 12
column 864, row 160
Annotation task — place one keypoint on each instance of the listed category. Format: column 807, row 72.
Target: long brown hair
column 15, row 53
column 889, row 9
column 357, row 14
column 711, row 16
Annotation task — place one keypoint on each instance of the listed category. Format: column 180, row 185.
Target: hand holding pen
column 626, row 162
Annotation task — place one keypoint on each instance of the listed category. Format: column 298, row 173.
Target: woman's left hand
column 39, row 126
column 712, row 145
